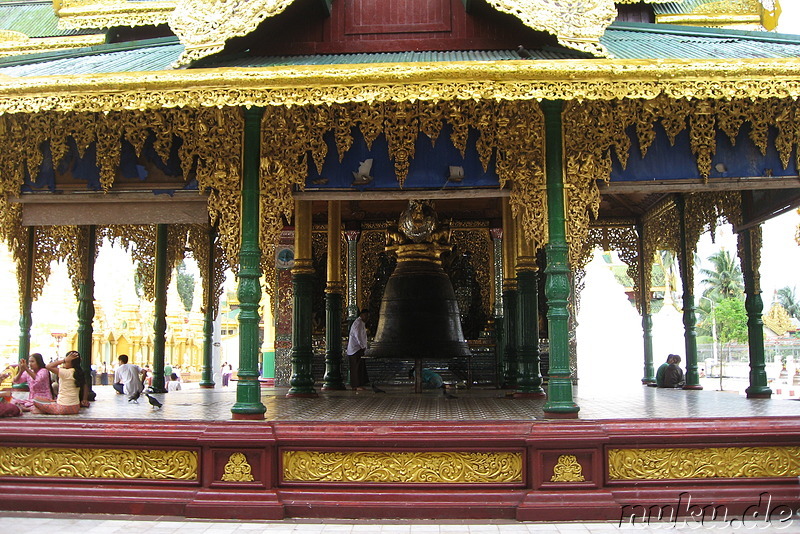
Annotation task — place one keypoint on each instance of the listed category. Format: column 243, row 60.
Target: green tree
column 731, row 320
column 724, row 280
column 788, row 299
column 185, row 282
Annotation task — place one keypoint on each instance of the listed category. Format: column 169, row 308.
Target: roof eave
column 579, row 79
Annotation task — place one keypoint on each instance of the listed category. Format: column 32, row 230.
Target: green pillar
column 644, row 305
column 86, row 308
column 560, row 402
column 758, row 388
column 530, row 382
column 333, row 301
column 26, row 298
column 510, row 300
column 689, row 318
column 207, row 372
column 302, row 380
column 160, row 309
column 248, row 390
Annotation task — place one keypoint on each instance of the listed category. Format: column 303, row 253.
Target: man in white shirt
column 128, row 377
column 356, row 345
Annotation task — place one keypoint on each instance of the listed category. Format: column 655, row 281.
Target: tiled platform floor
column 400, row 404
column 44, row 523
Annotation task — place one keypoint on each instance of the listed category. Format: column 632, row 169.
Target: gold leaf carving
column 92, row 14
column 622, row 238
column 126, row 464
column 755, row 79
column 203, row 26
column 237, row 469
column 567, row 469
column 711, row 462
column 577, row 24
column 48, row 44
column 401, row 130
column 403, row 467
column 756, row 239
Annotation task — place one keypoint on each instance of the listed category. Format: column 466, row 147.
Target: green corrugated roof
column 377, row 57
column 625, row 40
column 630, row 40
column 34, row 19
column 137, row 56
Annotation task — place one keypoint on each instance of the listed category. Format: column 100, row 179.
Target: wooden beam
column 402, row 195
column 697, row 185
column 112, row 208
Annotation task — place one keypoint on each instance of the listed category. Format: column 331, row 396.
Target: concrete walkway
column 43, row 523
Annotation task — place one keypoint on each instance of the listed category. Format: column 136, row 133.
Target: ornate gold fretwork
column 91, row 14
column 198, row 240
column 711, row 462
column 576, row 24
column 622, row 238
column 752, row 79
column 567, row 469
column 210, row 151
column 237, row 469
column 511, row 131
column 25, row 45
column 204, row 26
column 755, row 255
column 127, row 464
column 661, row 231
column 703, row 213
column 140, row 242
column 403, row 467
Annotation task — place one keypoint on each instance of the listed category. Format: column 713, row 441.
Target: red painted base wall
column 535, row 497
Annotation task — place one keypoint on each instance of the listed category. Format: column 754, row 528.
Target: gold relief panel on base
column 705, row 463
column 237, row 469
column 126, row 464
column 430, row 467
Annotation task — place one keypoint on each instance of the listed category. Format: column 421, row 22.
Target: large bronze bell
column 419, row 317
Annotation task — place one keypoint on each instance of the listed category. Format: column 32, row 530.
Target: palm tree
column 725, row 279
column 788, row 299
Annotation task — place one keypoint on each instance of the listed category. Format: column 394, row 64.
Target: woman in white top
column 71, row 381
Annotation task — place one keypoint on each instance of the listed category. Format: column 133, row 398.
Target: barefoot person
column 34, row 373
column 71, row 382
column 356, row 346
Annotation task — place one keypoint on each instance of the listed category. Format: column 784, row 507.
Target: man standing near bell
column 356, row 345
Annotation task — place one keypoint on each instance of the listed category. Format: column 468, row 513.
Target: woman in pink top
column 71, row 381
column 33, row 372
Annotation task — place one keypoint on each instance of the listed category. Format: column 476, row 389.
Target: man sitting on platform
column 128, row 378
column 662, row 370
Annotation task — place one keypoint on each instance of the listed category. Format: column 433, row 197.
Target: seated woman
column 71, row 382
column 34, row 373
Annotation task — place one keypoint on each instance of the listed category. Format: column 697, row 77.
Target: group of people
column 71, row 392
column 669, row 374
